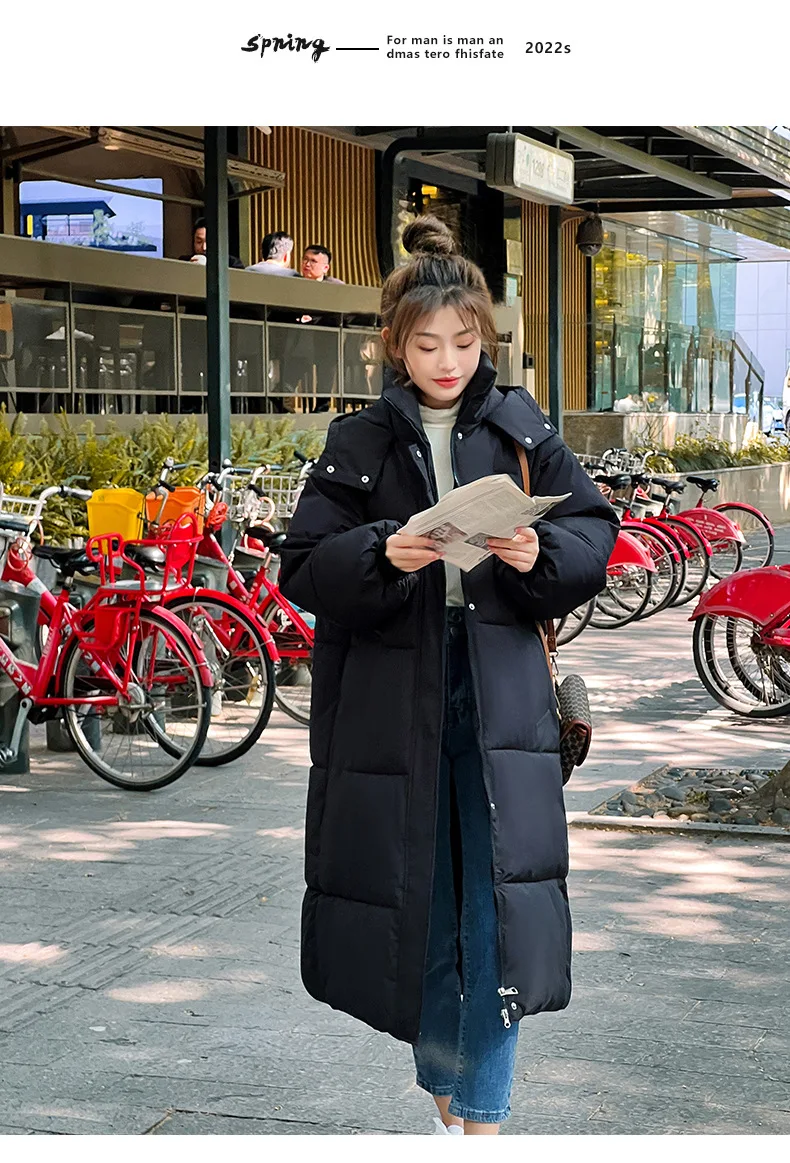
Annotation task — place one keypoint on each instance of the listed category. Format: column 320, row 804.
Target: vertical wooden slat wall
column 535, row 292
column 574, row 302
column 329, row 198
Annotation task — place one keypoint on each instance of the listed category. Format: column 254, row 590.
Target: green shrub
column 705, row 453
column 65, row 452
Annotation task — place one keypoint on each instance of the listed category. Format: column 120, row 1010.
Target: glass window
column 363, row 356
column 656, row 291
column 303, row 366
column 34, row 355
column 129, row 352
column 246, row 359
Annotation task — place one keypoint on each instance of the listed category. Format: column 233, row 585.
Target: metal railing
column 98, row 359
column 662, row 367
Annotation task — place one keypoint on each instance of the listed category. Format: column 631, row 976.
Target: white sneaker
column 441, row 1129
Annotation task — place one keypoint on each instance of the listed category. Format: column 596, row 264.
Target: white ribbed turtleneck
column 438, row 425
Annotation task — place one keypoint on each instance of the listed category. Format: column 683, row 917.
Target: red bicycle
column 742, row 642
column 248, row 580
column 668, row 552
column 756, row 532
column 237, row 648
column 130, row 679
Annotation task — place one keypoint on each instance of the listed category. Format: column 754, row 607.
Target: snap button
column 330, row 468
column 527, row 439
column 460, row 435
column 419, row 454
column 547, row 426
column 471, row 605
column 493, row 807
column 365, row 480
column 513, row 1006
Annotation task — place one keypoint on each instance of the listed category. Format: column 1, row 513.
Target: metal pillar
column 589, row 295
column 555, row 318
column 217, row 301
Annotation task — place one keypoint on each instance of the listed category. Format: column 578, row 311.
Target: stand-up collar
column 512, row 411
column 403, row 397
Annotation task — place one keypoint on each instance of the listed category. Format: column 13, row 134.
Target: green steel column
column 217, row 303
column 555, row 318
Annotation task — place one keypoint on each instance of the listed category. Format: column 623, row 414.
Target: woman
column 436, row 843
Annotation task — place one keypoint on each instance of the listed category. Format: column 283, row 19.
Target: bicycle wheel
column 243, row 693
column 294, row 672
column 669, row 562
column 726, row 557
column 154, row 733
column 627, row 593
column 698, row 557
column 571, row 626
column 759, row 547
column 739, row 670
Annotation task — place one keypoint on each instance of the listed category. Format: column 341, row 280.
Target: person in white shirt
column 276, row 250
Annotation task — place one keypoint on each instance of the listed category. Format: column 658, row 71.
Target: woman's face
column 441, row 356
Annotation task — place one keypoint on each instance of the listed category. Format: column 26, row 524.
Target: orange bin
column 182, row 500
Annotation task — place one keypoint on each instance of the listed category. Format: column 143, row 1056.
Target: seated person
column 199, row 248
column 315, row 265
column 276, row 251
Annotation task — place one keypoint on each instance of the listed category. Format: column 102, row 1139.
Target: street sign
column 528, row 169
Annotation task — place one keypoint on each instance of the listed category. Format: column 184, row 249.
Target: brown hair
column 436, row 276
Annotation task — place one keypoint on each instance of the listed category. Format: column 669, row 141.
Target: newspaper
column 465, row 518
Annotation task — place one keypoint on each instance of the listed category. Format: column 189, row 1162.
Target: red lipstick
column 448, row 383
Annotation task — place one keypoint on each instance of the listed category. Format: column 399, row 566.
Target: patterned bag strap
column 545, row 629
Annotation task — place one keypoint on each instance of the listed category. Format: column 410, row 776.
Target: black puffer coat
column 378, row 696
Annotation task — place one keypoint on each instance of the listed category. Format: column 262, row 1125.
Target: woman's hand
column 521, row 551
column 409, row 553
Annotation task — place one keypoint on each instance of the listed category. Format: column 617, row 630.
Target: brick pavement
column 149, row 947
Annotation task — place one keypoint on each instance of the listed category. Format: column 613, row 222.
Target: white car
column 773, row 413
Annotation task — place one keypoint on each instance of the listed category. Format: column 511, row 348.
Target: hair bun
column 428, row 235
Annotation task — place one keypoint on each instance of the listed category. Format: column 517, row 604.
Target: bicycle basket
column 22, row 507
column 116, row 511
column 182, row 500
column 284, row 488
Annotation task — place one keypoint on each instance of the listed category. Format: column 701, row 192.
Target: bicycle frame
column 252, row 597
column 747, row 508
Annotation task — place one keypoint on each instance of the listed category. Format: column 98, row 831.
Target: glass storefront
column 664, row 313
column 104, row 360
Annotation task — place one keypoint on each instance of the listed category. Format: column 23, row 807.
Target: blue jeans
column 464, row 1049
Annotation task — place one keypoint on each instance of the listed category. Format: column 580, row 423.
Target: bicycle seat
column 14, row 524
column 148, row 556
column 269, row 538
column 66, row 561
column 704, row 483
column 669, row 486
column 617, row 480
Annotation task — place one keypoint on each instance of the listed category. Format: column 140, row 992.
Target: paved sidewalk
column 149, row 947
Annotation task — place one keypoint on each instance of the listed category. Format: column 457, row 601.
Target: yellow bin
column 116, row 511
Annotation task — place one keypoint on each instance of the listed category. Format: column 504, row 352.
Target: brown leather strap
column 522, row 460
column 546, row 630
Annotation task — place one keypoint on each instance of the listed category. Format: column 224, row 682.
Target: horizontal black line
column 356, row 49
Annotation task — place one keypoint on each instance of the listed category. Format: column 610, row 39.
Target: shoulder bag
column 573, row 703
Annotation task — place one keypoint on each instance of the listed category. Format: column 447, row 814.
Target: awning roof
column 647, row 167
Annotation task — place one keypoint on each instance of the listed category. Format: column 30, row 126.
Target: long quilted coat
column 378, row 696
